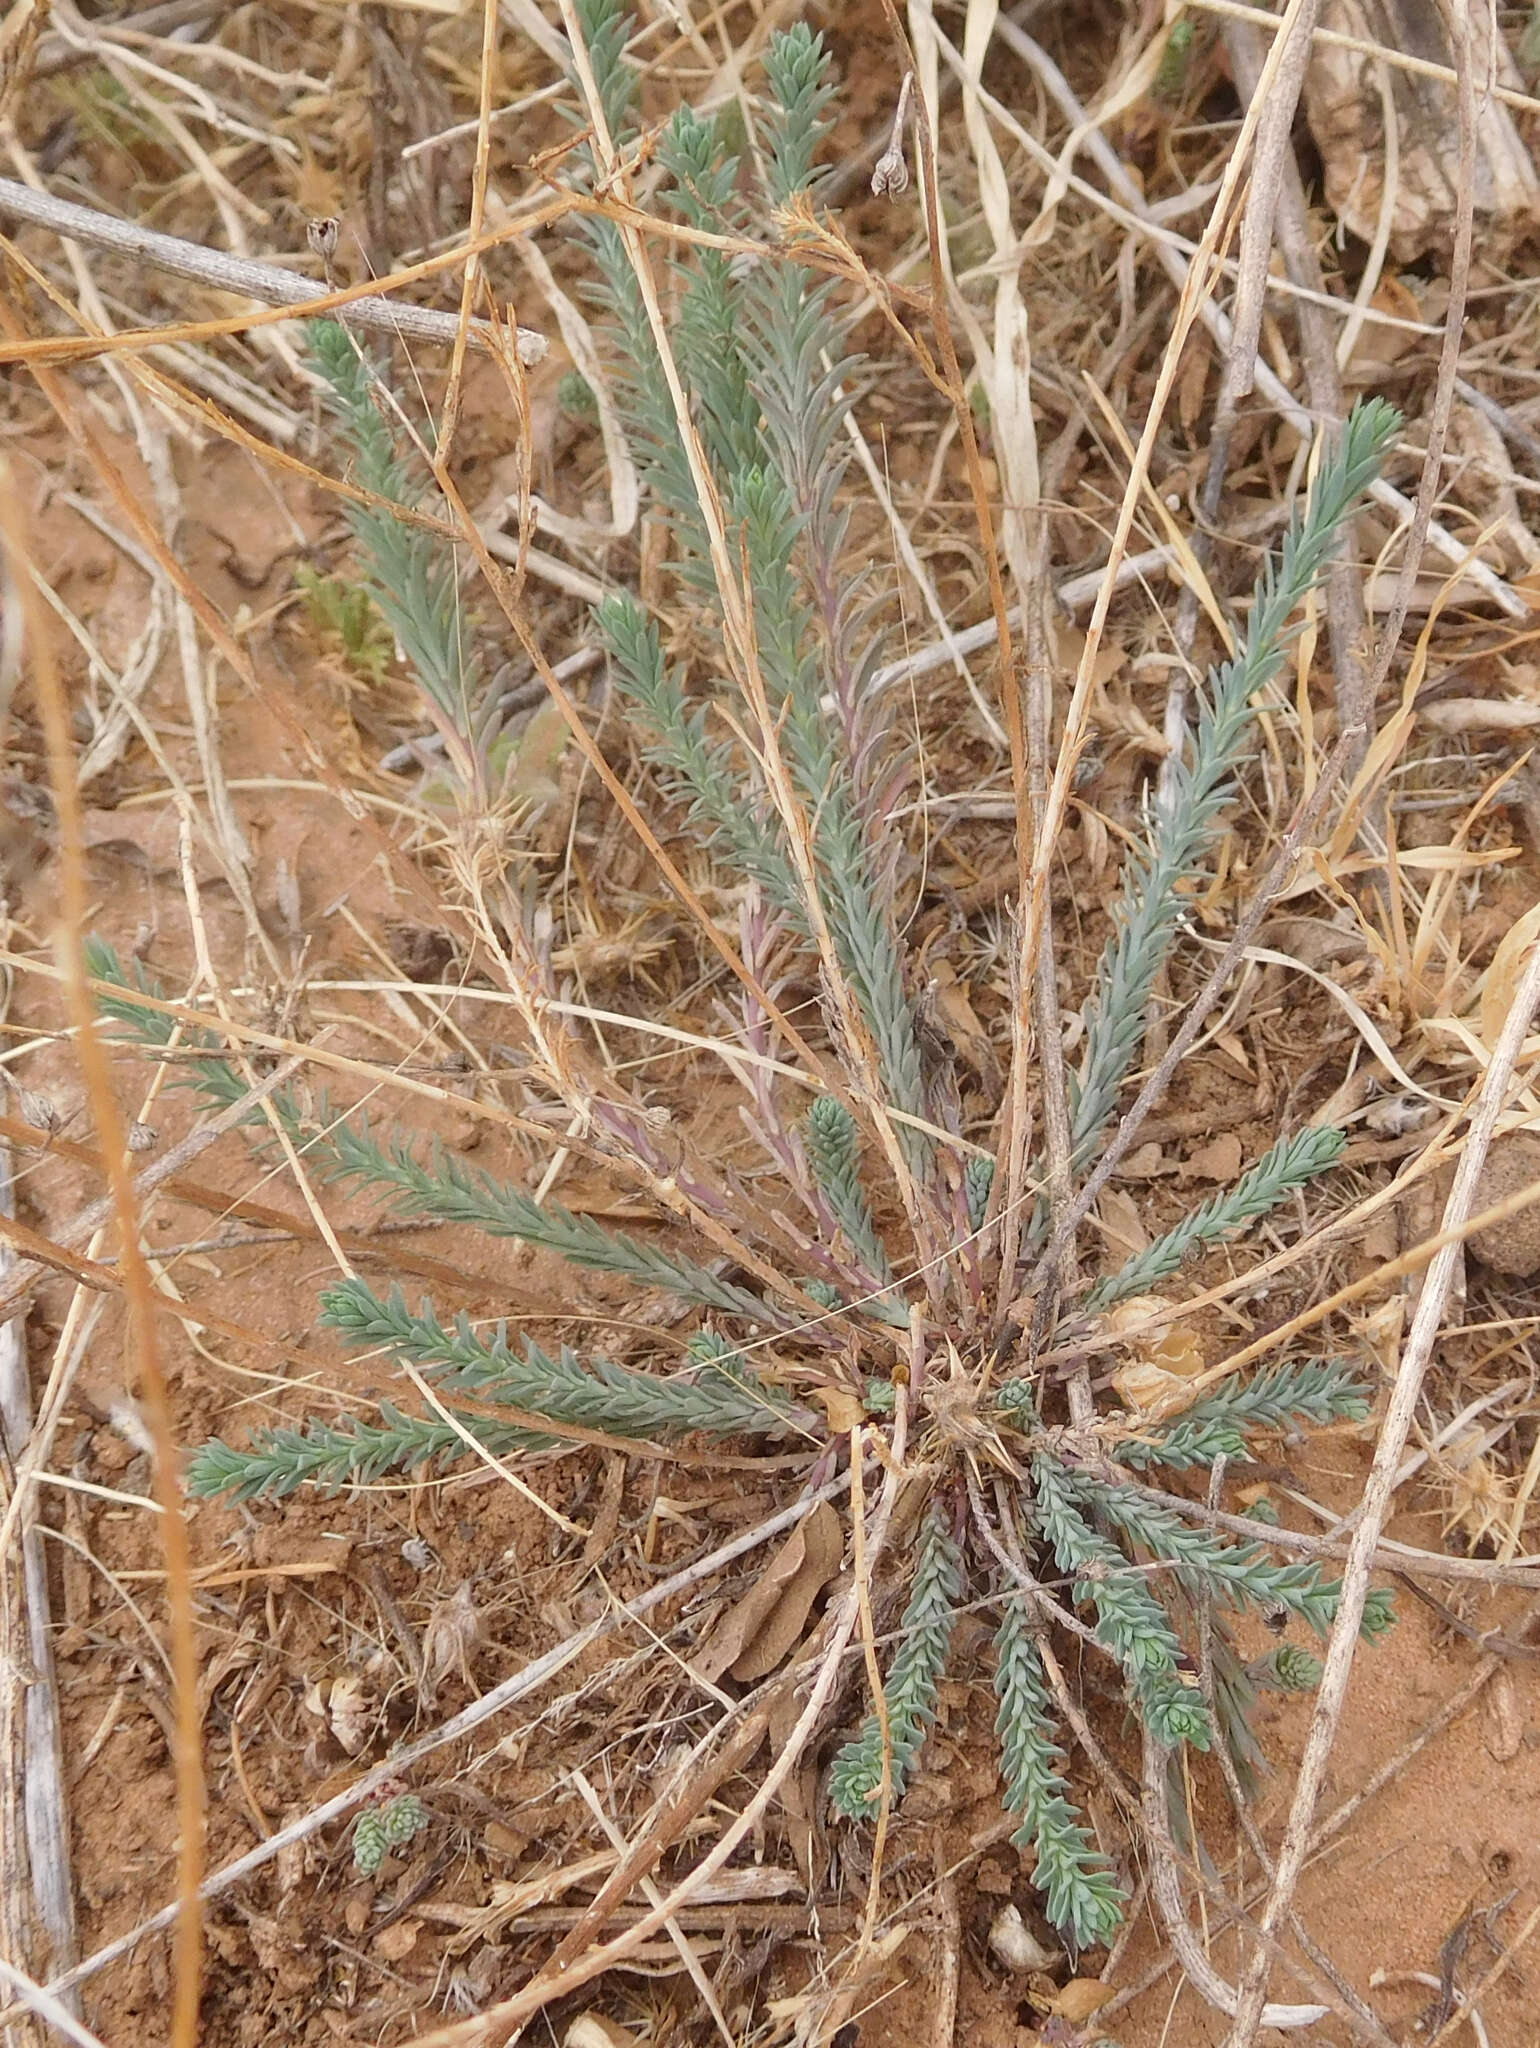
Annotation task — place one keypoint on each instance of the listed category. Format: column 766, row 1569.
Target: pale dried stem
column 1421, row 1338
column 148, row 1376
column 1468, row 1999
column 1401, row 60
column 1166, row 1888
column 39, row 1999
column 1057, row 1135
column 450, row 420
column 948, row 1951
column 263, row 281
column 694, row 1967
column 1429, row 482
column 34, row 1764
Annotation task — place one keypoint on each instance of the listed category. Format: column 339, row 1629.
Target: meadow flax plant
column 1052, row 1526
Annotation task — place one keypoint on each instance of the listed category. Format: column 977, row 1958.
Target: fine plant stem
column 362, row 307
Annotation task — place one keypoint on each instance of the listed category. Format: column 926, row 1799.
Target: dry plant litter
column 914, row 1257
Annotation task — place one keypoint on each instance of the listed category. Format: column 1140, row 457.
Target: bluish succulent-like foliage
column 1081, row 1895
column 909, row 1691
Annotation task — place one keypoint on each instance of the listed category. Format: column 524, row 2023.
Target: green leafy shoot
column 1219, row 1426
column 598, row 1396
column 408, row 572
column 1131, row 1622
column 1148, row 911
column 1290, row 1164
column 1082, row 1897
column 345, row 612
column 379, row 1829
column 910, row 1690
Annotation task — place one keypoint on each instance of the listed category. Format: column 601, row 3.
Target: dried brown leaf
column 1080, row 1998
column 449, row 1642
column 758, row 1632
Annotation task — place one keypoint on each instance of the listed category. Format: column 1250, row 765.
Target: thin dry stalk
column 35, row 1762
column 54, row 2012
column 983, row 511
column 138, row 1289
column 1054, row 1082
column 1166, row 1889
column 1390, row 1556
column 1418, row 1350
column 1351, row 2007
column 1401, row 60
column 671, row 1926
column 364, row 308
column 949, row 1950
column 452, row 395
column 1504, row 1963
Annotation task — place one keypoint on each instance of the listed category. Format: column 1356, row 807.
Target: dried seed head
column 890, row 175
column 39, row 1110
column 1016, row 1946
column 322, row 237
column 450, row 1641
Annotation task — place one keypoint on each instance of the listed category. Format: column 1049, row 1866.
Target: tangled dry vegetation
column 822, row 805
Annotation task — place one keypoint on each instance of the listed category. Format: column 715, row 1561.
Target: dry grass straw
column 147, row 1372
column 1041, row 793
